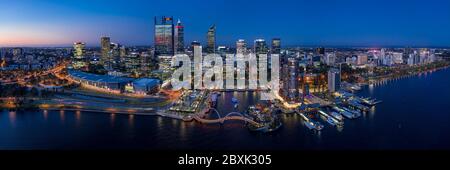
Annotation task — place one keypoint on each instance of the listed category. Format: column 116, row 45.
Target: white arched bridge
column 230, row 116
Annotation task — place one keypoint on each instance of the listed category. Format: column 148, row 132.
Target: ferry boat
column 355, row 104
column 370, row 102
column 343, row 112
column 354, row 113
column 331, row 121
column 318, row 126
column 337, row 116
column 309, row 125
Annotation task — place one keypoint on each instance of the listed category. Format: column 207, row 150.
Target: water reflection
column 112, row 119
column 62, row 116
column 340, row 128
column 77, row 117
column 12, row 117
column 183, row 131
column 131, row 120
column 160, row 123
column 372, row 112
column 45, row 114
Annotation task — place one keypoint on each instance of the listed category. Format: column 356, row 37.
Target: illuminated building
column 260, row 46
column 106, row 48
column 211, row 37
column 334, row 80
column 132, row 63
column 290, row 80
column 241, row 46
column 276, row 46
column 79, row 58
column 114, row 83
column 164, row 36
column 179, row 37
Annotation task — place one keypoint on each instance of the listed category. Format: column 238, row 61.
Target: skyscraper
column 276, row 46
column 211, row 37
column 179, row 37
column 164, row 36
column 334, row 80
column 79, row 58
column 290, row 80
column 260, row 46
column 106, row 48
column 241, row 46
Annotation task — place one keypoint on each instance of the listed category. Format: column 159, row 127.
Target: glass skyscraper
column 79, row 55
column 276, row 46
column 164, row 36
column 106, row 48
column 260, row 46
column 210, row 48
column 179, row 37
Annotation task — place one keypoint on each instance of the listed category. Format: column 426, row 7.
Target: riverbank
column 409, row 71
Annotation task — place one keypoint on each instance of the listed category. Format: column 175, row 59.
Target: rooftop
column 99, row 78
column 146, row 82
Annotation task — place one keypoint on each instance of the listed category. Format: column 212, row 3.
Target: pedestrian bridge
column 230, row 116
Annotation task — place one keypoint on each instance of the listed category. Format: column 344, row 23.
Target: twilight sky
column 296, row 22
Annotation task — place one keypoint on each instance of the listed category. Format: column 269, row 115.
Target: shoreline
column 377, row 80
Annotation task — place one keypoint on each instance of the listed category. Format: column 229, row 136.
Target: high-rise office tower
column 132, row 63
column 115, row 60
column 334, row 80
column 79, row 55
column 241, row 46
column 164, row 36
column 106, row 48
column 179, row 37
column 290, row 80
column 211, row 37
column 276, row 46
column 260, row 46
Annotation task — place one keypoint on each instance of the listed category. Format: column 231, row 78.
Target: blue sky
column 296, row 22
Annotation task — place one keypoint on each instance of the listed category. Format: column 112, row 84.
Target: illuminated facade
column 334, row 80
column 106, row 48
column 276, row 46
column 241, row 46
column 211, row 37
column 179, row 37
column 79, row 55
column 290, row 91
column 260, row 46
column 164, row 36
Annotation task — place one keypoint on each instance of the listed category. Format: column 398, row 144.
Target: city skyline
column 303, row 23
